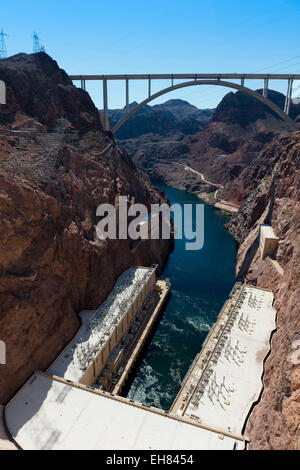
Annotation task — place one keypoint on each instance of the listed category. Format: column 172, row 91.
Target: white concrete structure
column 101, row 331
column 268, row 242
column 234, row 371
column 2, row 92
column 50, row 415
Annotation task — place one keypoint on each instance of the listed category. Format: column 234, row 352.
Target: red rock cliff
column 56, row 166
column 275, row 420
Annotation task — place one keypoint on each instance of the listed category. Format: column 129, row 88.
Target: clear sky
column 159, row 36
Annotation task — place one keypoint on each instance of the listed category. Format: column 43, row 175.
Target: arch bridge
column 223, row 79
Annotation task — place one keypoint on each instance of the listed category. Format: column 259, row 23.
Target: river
column 201, row 281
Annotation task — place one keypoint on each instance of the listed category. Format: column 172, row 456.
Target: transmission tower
column 36, row 43
column 3, row 52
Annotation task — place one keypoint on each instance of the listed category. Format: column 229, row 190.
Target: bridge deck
column 189, row 76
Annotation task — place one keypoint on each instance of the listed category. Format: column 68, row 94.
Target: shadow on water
column 201, row 281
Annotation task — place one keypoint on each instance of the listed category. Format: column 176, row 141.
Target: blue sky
column 178, row 36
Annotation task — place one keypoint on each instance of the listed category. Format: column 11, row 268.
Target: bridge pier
column 288, row 97
column 127, row 95
column 105, row 104
column 149, row 87
column 83, row 84
column 266, row 85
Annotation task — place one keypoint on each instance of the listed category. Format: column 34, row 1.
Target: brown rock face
column 275, row 420
column 52, row 179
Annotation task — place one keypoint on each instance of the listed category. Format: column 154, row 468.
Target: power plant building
column 97, row 349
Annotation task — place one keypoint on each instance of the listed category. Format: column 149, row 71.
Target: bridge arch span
column 242, row 88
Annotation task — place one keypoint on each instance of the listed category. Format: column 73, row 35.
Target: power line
column 253, row 83
column 278, row 63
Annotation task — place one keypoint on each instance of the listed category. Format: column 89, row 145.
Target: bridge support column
column 149, row 87
column 105, row 104
column 266, row 85
column 288, row 97
column 127, row 96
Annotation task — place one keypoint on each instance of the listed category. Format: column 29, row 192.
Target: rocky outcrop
column 274, row 178
column 240, row 108
column 31, row 89
column 56, row 166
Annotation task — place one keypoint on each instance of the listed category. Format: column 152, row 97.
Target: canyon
column 254, row 162
column 57, row 164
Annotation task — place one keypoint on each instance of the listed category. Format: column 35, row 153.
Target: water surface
column 201, row 281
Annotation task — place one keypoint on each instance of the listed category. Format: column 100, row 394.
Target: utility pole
column 3, row 52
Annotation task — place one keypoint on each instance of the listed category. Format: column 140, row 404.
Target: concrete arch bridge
column 188, row 80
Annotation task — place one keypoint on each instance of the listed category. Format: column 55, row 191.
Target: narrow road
column 220, row 186
column 220, row 204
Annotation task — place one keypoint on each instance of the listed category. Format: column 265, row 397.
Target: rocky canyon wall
column 56, row 166
column 275, row 421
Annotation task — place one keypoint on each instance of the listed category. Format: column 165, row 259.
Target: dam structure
column 96, row 352
column 76, row 404
column 225, row 379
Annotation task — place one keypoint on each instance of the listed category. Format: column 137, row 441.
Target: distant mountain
column 145, row 120
column 184, row 110
column 175, row 115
